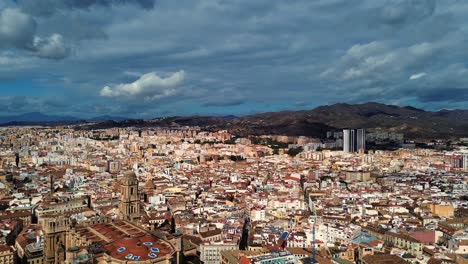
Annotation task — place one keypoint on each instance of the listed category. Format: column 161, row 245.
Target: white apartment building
column 210, row 252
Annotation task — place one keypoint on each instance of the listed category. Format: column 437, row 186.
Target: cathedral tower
column 55, row 232
column 129, row 204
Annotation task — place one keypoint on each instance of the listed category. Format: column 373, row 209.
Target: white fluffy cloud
column 417, row 76
column 149, row 86
column 52, row 47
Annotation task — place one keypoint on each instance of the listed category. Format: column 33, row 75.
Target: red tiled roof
column 125, row 235
column 426, row 237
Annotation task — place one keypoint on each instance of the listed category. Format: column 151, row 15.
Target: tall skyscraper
column 348, row 140
column 360, row 139
column 354, row 140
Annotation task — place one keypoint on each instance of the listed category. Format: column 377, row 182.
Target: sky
column 152, row 58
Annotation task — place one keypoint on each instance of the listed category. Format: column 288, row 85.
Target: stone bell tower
column 55, row 232
column 129, row 204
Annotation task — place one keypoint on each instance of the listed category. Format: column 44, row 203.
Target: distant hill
column 409, row 120
column 38, row 118
column 35, row 117
column 413, row 122
column 107, row 117
column 230, row 116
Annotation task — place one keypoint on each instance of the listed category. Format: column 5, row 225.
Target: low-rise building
column 210, row 252
column 7, row 254
column 404, row 241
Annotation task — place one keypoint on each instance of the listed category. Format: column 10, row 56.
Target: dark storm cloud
column 22, row 104
column 235, row 54
column 404, row 12
column 225, row 102
column 50, row 7
column 19, row 27
column 18, row 30
column 445, row 94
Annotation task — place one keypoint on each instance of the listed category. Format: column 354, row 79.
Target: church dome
column 149, row 185
column 129, row 178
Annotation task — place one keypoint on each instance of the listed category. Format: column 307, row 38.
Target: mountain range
column 37, row 117
column 413, row 122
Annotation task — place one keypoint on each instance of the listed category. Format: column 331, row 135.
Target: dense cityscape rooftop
column 157, row 195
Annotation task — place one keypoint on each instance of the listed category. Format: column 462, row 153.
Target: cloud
column 50, row 7
column 25, row 104
column 363, row 61
column 225, row 97
column 301, row 103
column 225, row 102
column 359, row 51
column 402, row 12
column 378, row 61
column 379, row 70
column 264, row 54
column 9, row 60
column 150, row 86
column 16, row 28
column 52, row 47
column 444, row 94
column 447, row 84
column 88, row 3
column 417, row 76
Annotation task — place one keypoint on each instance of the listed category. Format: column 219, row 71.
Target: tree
column 294, row 151
column 236, row 158
column 173, row 225
column 243, row 243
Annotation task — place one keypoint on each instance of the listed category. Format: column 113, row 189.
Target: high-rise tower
column 354, row 140
column 360, row 139
column 349, row 140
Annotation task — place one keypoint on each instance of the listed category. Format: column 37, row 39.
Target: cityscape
column 224, row 132
column 184, row 195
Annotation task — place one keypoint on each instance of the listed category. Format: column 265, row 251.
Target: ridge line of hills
column 413, row 122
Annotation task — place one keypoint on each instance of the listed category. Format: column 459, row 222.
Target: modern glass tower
column 354, row 140
column 360, row 139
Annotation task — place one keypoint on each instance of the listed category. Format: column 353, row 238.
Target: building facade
column 210, row 253
column 7, row 254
